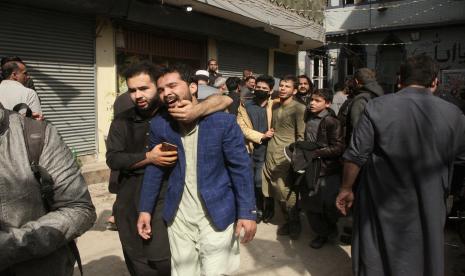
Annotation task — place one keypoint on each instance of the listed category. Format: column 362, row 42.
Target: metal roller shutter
column 233, row 58
column 284, row 64
column 58, row 50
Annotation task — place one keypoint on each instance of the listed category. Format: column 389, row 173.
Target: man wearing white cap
column 204, row 90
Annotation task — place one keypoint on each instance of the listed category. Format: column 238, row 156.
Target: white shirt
column 13, row 93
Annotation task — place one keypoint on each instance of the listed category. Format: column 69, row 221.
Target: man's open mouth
column 171, row 99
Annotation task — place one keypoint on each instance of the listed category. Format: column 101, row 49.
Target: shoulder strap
column 22, row 106
column 34, row 137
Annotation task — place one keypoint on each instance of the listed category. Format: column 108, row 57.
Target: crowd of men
column 198, row 160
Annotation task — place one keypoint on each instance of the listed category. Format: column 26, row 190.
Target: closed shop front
column 58, row 50
column 284, row 64
column 233, row 58
column 134, row 43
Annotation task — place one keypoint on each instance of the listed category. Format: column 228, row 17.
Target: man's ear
column 14, row 75
column 295, row 91
column 193, row 87
column 434, row 85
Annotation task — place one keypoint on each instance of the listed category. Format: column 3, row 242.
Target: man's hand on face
column 250, row 228
column 162, row 158
column 143, row 225
column 184, row 111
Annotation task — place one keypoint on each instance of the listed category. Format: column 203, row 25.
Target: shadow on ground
column 108, row 265
column 101, row 222
column 269, row 254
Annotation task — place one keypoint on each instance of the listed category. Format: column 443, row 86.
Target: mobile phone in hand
column 165, row 146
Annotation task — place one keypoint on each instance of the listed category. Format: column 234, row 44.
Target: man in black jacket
column 323, row 128
column 366, row 88
column 403, row 151
column 128, row 152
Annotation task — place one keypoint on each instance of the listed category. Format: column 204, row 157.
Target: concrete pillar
column 301, row 56
column 105, row 60
column 371, row 56
column 271, row 62
column 333, row 77
column 213, row 50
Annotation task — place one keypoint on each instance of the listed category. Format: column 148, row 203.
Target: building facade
column 76, row 51
column 381, row 34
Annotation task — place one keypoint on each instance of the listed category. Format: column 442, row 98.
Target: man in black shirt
column 213, row 71
column 232, row 83
column 254, row 118
column 304, row 91
column 128, row 152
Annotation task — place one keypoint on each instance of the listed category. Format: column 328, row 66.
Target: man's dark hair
column 269, row 80
column 9, row 65
column 293, row 79
column 365, row 75
column 325, row 93
column 210, row 60
column 142, row 67
column 338, row 87
column 249, row 77
column 418, row 70
column 232, row 83
column 10, row 59
column 184, row 71
column 308, row 79
column 8, row 69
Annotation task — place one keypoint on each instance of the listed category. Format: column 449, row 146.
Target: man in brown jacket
column 254, row 118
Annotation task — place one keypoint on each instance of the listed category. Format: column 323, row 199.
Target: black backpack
column 344, row 115
column 34, row 138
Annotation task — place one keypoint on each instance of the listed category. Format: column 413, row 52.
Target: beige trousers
column 201, row 250
column 276, row 179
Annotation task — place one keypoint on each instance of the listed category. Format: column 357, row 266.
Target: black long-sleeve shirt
column 127, row 144
column 127, row 140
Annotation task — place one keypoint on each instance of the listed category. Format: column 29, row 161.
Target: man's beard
column 151, row 107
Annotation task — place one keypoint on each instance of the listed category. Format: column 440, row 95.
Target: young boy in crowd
column 323, row 128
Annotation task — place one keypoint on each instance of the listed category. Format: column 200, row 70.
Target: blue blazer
column 224, row 174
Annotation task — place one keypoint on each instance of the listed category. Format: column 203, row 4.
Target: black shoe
column 346, row 239
column 259, row 216
column 318, row 242
column 268, row 211
column 283, row 230
column 111, row 226
column 294, row 229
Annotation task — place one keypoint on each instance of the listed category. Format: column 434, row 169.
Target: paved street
column 266, row 255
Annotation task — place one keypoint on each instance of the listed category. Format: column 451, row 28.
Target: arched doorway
column 388, row 61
